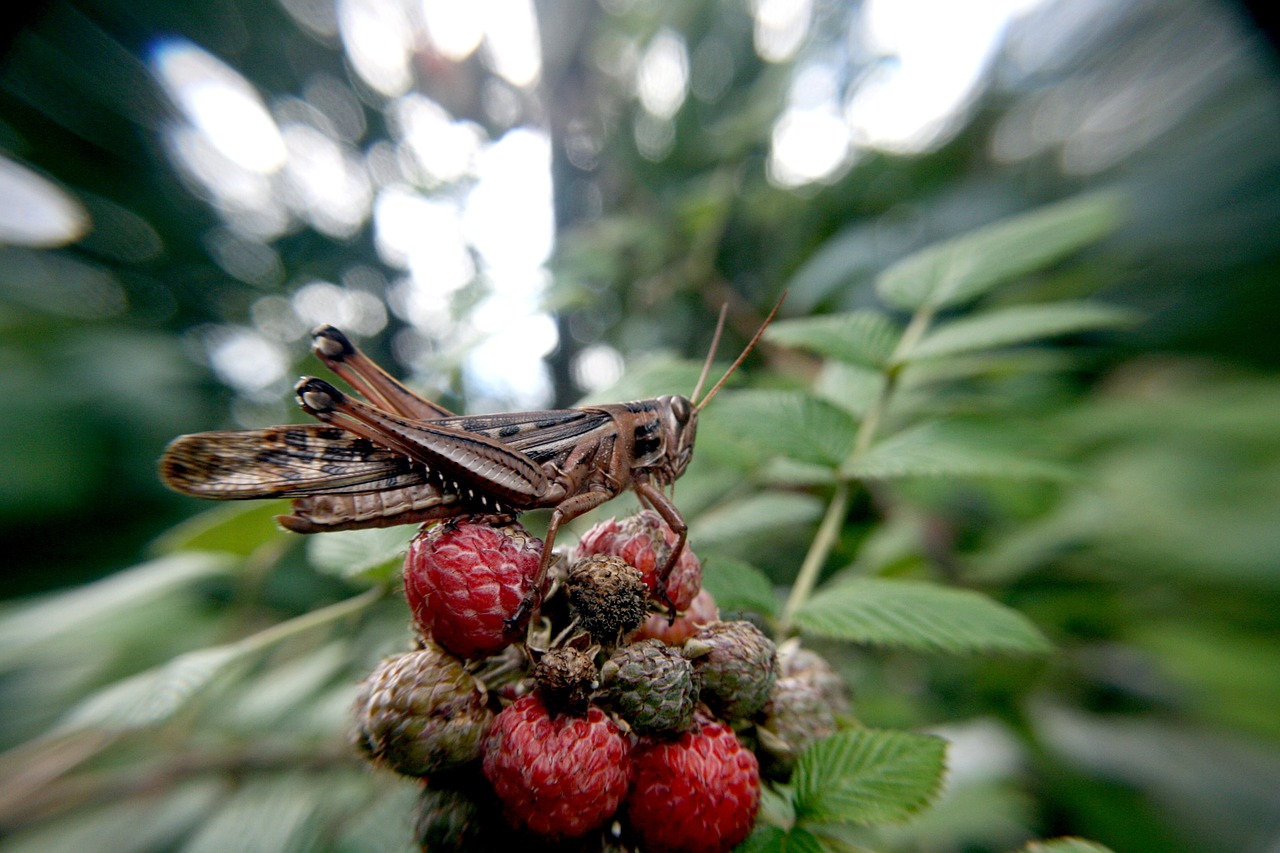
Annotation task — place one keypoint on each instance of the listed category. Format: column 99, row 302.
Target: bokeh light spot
column 35, row 211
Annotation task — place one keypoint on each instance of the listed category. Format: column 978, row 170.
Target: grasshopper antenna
column 715, row 342
column 745, row 352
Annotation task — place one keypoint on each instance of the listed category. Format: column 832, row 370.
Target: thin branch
column 828, row 534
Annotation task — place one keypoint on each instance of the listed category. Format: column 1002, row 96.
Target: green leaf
column 1223, row 672
column 850, row 255
column 383, row 822
column 375, row 554
column 854, row 389
column 784, row 472
column 775, row 839
column 236, row 528
column 990, row 364
column 1065, row 845
column 961, row 269
column 279, row 813
column 868, row 777
column 860, row 337
column 741, row 519
column 284, row 693
column 116, row 597
column 945, row 449
column 787, row 423
column 1015, row 325
column 920, row 616
column 736, row 585
column 982, row 812
column 156, row 695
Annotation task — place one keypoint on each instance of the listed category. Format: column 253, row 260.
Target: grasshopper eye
column 681, row 408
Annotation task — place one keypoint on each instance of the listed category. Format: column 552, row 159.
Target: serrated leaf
column 850, row 255
column 1014, row 325
column 777, row 808
column 775, row 839
column 740, row 519
column 1065, row 845
column 383, row 823
column 235, row 528
column 941, row 449
column 787, row 423
column 860, row 337
column 736, row 585
column 281, row 694
column 991, row 364
column 781, row 471
column 920, row 616
column 272, row 815
column 763, row 839
column 156, row 695
column 868, row 777
column 374, row 554
column 31, row 626
column 955, row 271
column 854, row 389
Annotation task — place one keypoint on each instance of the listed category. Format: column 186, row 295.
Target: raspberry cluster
column 573, row 710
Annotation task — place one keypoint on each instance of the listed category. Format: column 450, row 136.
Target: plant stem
column 300, row 624
column 819, row 550
column 829, row 530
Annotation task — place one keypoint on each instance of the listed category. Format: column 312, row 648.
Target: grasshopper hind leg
column 363, row 374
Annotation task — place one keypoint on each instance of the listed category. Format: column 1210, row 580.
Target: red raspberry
column 472, row 587
column 645, row 541
column 698, row 793
column 701, row 612
column 561, row 776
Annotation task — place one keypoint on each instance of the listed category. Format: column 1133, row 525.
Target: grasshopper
column 402, row 459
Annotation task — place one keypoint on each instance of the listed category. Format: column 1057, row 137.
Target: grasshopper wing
column 283, row 461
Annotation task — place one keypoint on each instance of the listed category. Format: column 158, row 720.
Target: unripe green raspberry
column 652, row 686
column 803, row 708
column 607, row 596
column 808, row 665
column 795, row 717
column 422, row 712
column 738, row 667
column 456, row 814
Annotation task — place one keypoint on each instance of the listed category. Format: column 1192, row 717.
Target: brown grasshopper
column 402, row 459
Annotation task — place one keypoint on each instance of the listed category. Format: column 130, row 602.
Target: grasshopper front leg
column 662, row 505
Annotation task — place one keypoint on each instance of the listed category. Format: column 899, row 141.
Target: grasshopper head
column 667, row 454
column 679, row 427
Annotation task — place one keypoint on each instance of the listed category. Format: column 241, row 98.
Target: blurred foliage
column 1023, row 394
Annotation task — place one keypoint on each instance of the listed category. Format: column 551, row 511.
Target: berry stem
column 832, row 521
